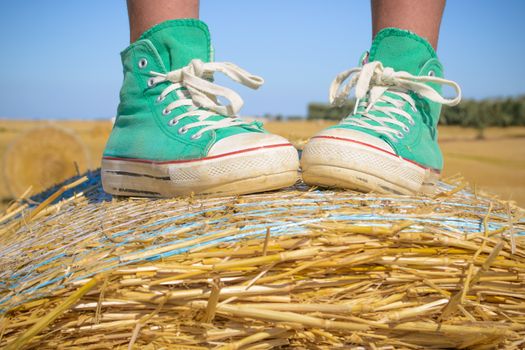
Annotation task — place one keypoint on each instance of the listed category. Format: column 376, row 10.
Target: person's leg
column 422, row 17
column 144, row 14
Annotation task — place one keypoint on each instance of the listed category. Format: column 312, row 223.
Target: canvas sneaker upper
column 177, row 131
column 398, row 91
column 169, row 105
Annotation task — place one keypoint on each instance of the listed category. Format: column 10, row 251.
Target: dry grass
column 298, row 268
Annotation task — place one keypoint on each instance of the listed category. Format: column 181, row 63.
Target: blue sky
column 60, row 59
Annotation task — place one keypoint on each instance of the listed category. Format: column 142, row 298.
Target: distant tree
column 478, row 114
column 326, row 111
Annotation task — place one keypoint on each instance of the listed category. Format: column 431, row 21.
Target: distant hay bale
column 298, row 268
column 43, row 157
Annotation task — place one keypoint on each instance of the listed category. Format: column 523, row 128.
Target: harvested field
column 495, row 164
column 299, row 268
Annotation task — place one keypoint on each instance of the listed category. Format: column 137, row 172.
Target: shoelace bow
column 195, row 91
column 372, row 80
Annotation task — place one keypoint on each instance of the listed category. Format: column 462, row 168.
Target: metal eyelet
column 406, row 128
column 166, row 111
column 183, row 130
column 196, row 136
column 173, row 122
column 151, row 82
column 160, row 98
column 431, row 73
column 143, row 63
column 400, row 135
column 411, row 122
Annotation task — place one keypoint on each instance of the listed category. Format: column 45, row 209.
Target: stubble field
column 494, row 164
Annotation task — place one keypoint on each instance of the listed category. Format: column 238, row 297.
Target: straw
column 298, row 268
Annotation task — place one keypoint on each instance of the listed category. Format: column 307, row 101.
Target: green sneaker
column 389, row 143
column 172, row 136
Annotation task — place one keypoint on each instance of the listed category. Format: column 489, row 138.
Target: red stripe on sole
column 378, row 149
column 138, row 160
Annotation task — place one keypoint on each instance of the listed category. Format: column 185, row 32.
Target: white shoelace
column 200, row 95
column 372, row 80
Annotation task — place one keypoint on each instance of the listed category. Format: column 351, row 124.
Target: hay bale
column 42, row 157
column 298, row 268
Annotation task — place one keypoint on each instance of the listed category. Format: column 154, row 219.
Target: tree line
column 469, row 113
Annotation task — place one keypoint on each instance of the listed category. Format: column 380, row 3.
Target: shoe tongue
column 401, row 50
column 179, row 41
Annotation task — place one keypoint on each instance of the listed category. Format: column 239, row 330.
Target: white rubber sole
column 335, row 162
column 247, row 171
